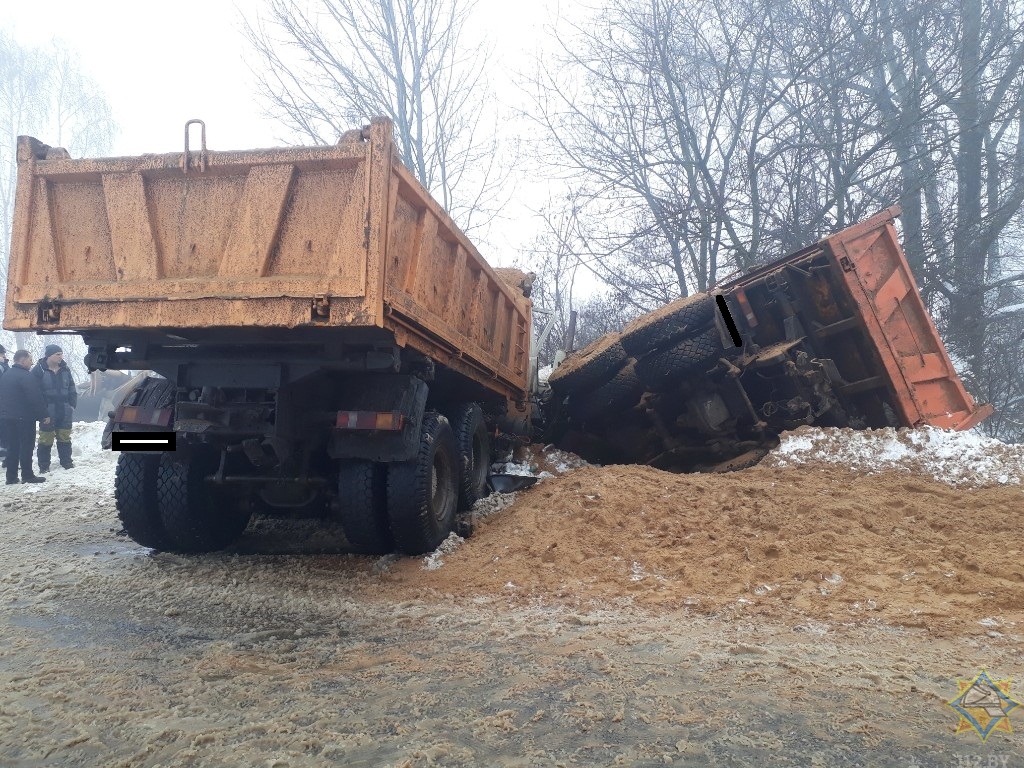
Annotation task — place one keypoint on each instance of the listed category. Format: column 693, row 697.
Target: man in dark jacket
column 21, row 406
column 3, row 437
column 61, row 397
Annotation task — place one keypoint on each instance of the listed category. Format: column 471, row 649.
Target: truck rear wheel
column 151, row 392
column 195, row 517
column 660, row 369
column 622, row 392
column 363, row 509
column 590, row 367
column 423, row 493
column 135, row 498
column 474, row 442
column 670, row 323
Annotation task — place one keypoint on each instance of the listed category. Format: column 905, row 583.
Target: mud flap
column 404, row 394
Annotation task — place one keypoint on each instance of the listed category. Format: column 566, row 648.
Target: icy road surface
column 113, row 655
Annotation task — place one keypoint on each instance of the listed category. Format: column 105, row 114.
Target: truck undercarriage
column 317, row 439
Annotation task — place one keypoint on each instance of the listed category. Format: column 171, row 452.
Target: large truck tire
column 135, row 499
column 195, row 517
column 590, row 367
column 156, row 393
column 623, row 391
column 668, row 324
column 423, row 493
column 474, row 442
column 659, row 370
column 363, row 508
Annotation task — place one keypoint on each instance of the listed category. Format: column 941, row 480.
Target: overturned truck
column 833, row 335
column 327, row 342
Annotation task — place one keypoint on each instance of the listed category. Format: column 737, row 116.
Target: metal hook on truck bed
column 186, row 161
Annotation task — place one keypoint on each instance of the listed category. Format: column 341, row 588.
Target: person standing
column 21, row 406
column 3, row 436
column 61, row 397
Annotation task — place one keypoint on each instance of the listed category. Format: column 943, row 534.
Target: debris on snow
column 433, row 561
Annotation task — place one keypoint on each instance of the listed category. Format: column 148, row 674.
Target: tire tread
column 589, row 367
column 413, row 525
column 622, row 391
column 136, row 501
column 680, row 318
column 193, row 522
column 467, row 423
column 660, row 369
column 362, row 489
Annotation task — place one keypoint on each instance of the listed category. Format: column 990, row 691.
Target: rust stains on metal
column 247, row 238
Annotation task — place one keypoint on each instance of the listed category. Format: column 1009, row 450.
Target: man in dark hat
column 21, row 406
column 61, row 397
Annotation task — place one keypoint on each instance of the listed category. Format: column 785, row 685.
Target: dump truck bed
column 856, row 302
column 326, row 241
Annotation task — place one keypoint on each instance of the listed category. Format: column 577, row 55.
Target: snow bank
column 960, row 459
column 93, row 472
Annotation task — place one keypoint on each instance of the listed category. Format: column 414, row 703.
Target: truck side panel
column 436, row 281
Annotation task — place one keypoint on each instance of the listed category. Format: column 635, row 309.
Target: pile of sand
column 814, row 538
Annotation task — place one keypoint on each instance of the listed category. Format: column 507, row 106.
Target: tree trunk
column 967, row 309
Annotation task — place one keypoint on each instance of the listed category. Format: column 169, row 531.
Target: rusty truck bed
column 325, row 239
column 857, row 303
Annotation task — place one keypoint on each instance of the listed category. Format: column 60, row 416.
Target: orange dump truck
column 326, row 337
column 833, row 335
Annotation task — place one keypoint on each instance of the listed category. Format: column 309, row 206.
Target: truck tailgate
column 928, row 389
column 140, row 242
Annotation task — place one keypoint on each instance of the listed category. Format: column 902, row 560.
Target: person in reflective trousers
column 21, row 406
column 61, row 397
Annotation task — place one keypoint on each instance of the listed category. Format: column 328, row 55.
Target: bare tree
column 43, row 92
column 675, row 121
column 987, row 101
column 947, row 81
column 325, row 66
column 552, row 257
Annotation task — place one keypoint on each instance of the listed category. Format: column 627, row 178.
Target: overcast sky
column 162, row 63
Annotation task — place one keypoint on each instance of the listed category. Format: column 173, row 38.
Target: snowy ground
column 961, row 459
column 606, row 616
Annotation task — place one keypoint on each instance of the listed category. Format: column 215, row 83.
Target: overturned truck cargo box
column 834, row 335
